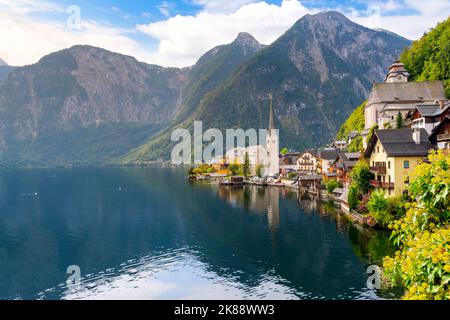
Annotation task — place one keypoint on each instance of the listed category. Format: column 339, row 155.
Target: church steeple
column 271, row 125
column 397, row 73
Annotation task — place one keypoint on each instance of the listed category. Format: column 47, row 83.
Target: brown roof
column 399, row 142
column 407, row 91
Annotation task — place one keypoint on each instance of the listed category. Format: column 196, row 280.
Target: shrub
column 331, row 185
column 361, row 176
column 353, row 197
column 422, row 263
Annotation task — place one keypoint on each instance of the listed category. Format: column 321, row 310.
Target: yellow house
column 393, row 154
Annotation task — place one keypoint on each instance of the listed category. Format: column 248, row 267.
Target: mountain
column 317, row 72
column 111, row 102
column 214, row 67
column 87, row 105
column 5, row 70
column 429, row 57
column 2, row 63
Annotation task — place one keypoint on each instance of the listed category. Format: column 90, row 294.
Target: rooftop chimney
column 416, row 135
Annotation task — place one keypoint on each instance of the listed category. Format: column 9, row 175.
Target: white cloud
column 413, row 25
column 183, row 39
column 28, row 39
column 166, row 8
column 222, row 6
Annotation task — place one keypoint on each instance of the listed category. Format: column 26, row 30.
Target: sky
column 176, row 33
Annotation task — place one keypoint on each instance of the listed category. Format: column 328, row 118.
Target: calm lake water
column 147, row 233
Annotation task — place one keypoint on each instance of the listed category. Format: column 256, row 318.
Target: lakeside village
column 420, row 114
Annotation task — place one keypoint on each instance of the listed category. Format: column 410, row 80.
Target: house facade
column 393, row 155
column 307, row 162
column 441, row 134
column 428, row 117
column 397, row 95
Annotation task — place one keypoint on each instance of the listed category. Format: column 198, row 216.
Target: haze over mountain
column 86, row 105
column 2, row 63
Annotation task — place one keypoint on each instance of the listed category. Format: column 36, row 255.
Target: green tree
column 399, row 120
column 331, row 185
column 259, row 170
column 353, row 197
column 284, row 151
column 361, row 176
column 246, row 168
column 422, row 263
column 429, row 58
column 234, row 169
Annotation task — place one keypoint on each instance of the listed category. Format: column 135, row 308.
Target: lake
column 148, row 233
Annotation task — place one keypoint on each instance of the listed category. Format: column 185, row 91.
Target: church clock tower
column 397, row 73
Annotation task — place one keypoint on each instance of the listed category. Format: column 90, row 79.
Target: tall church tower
column 272, row 144
column 397, row 73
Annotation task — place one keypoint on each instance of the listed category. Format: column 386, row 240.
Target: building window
column 406, row 164
column 389, row 164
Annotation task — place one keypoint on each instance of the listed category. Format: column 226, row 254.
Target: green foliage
column 429, row 57
column 361, row 176
column 382, row 209
column 356, row 122
column 259, row 170
column 246, row 167
column 235, row 169
column 422, row 263
column 399, row 120
column 356, row 145
column 353, row 197
column 331, row 185
column 284, row 151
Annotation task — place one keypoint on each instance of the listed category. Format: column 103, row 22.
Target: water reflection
column 147, row 233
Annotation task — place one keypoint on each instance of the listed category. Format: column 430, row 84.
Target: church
column 397, row 95
column 265, row 155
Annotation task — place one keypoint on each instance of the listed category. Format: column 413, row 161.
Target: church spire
column 271, row 114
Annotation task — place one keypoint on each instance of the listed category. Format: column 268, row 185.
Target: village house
column 344, row 164
column 393, row 154
column 307, row 162
column 428, row 117
column 397, row 95
column 327, row 159
column 288, row 162
column 441, row 134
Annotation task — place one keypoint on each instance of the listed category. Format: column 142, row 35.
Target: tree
column 259, row 170
column 234, row 169
column 284, row 151
column 361, row 177
column 422, row 263
column 353, row 197
column 246, row 168
column 399, row 120
column 331, row 185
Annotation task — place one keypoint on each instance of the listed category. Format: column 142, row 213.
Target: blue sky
column 176, row 33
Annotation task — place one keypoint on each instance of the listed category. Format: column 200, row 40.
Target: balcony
column 380, row 184
column 378, row 169
column 443, row 137
column 375, row 183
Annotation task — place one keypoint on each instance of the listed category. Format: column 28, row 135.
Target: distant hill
column 317, row 72
column 2, row 63
column 429, row 57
